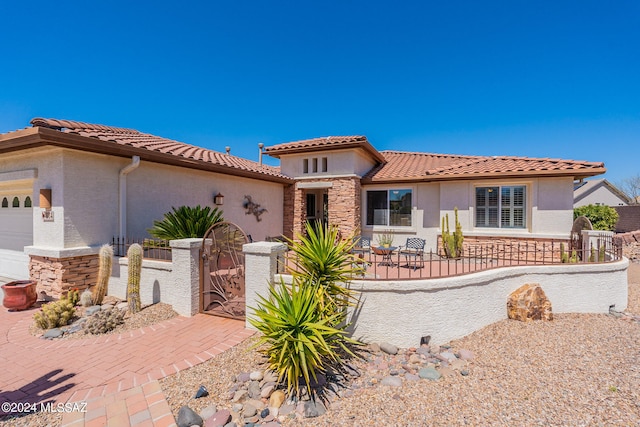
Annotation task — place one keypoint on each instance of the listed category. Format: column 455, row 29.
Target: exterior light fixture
column 218, row 199
column 45, row 204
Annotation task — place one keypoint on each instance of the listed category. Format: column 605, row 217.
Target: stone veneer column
column 295, row 213
column 345, row 205
column 57, row 275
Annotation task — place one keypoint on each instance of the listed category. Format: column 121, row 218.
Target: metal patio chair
column 413, row 250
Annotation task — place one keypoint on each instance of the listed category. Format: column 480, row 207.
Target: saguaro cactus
column 134, row 254
column 105, row 257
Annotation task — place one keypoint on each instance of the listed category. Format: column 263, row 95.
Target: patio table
column 386, row 253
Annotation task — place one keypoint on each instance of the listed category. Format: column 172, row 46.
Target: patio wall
column 402, row 311
column 173, row 282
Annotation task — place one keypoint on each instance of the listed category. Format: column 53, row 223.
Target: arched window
column 27, row 202
column 16, row 202
column 5, row 203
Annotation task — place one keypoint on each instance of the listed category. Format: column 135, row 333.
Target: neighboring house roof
column 407, row 167
column 127, row 142
column 324, row 144
column 584, row 188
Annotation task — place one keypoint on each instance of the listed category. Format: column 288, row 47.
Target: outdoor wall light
column 218, row 199
column 45, row 204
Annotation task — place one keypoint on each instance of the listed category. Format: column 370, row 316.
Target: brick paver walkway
column 116, row 375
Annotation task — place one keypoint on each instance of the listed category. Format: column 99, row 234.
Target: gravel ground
column 148, row 315
column 578, row 370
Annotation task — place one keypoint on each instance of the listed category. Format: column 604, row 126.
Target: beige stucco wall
column 85, row 196
column 340, row 163
column 152, row 189
column 549, row 209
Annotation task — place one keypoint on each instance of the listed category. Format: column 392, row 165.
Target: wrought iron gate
column 222, row 290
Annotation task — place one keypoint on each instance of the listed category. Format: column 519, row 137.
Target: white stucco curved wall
column 449, row 308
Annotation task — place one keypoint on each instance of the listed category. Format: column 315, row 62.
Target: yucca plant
column 185, row 222
column 322, row 257
column 297, row 337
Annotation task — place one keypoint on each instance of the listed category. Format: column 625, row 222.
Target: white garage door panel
column 16, row 232
column 14, row 264
column 16, row 228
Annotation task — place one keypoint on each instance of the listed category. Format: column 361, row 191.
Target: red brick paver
column 115, row 375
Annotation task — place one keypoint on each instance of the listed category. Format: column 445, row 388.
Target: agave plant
column 185, row 222
column 327, row 260
column 298, row 338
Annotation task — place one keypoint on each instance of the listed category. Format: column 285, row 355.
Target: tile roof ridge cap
column 422, row 153
column 59, row 124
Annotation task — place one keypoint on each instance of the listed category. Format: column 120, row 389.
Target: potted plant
column 385, row 239
column 19, row 295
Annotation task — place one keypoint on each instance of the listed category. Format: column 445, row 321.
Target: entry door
column 318, row 207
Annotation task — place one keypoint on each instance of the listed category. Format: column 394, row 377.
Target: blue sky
column 522, row 78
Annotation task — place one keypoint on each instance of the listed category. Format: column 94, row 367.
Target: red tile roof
column 323, row 144
column 144, row 141
column 404, row 166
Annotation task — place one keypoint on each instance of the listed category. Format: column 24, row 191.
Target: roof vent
column 227, row 149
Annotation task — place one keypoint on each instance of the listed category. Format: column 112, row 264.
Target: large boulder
column 529, row 302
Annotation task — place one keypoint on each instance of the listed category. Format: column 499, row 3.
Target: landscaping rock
column 529, row 302
column 276, row 399
column 249, row 410
column 254, row 390
column 267, row 390
column 388, row 348
column 256, row 376
column 219, row 419
column 122, row 306
column 286, row 409
column 105, row 307
column 270, row 376
column 53, row 333
column 90, row 311
column 429, row 374
column 243, row 377
column 208, row 412
column 313, row 409
column 187, row 418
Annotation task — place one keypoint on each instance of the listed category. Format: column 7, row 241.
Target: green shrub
column 601, row 217
column 322, row 257
column 185, row 222
column 298, row 338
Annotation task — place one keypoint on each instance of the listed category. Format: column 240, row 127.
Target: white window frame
column 512, row 207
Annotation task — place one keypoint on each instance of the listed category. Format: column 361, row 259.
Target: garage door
column 16, row 232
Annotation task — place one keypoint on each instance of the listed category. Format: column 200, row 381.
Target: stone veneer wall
column 289, row 213
column 344, row 206
column 56, row 276
column 516, row 248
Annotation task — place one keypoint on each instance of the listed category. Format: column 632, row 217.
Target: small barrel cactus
column 105, row 257
column 134, row 254
column 86, row 298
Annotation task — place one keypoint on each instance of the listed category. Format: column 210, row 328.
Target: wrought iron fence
column 394, row 263
column 156, row 249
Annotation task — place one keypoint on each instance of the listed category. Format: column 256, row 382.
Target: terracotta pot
column 19, row 295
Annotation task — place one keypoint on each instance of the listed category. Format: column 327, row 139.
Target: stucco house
column 598, row 192
column 68, row 187
column 346, row 181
